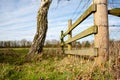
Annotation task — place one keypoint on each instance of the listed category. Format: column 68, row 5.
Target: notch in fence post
column 62, row 42
column 102, row 37
column 69, row 35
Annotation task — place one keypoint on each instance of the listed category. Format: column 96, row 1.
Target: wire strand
column 83, row 8
column 77, row 8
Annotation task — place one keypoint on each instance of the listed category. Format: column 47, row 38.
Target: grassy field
column 52, row 65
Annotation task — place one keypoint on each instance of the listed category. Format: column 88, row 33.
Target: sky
column 18, row 18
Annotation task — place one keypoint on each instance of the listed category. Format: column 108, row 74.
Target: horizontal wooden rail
column 87, row 32
column 115, row 12
column 87, row 13
column 84, row 52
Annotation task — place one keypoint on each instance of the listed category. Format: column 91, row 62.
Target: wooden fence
column 99, row 29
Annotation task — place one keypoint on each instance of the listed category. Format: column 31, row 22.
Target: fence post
column 102, row 37
column 62, row 41
column 69, row 34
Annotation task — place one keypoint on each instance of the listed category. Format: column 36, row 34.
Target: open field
column 52, row 65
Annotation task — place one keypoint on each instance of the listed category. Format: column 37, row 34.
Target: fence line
column 99, row 29
column 87, row 13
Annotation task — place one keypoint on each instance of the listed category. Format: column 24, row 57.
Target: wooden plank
column 115, row 12
column 87, row 32
column 84, row 52
column 87, row 13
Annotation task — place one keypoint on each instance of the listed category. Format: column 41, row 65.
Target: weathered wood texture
column 69, row 34
column 42, row 25
column 115, row 12
column 83, row 52
column 88, row 12
column 102, row 37
column 87, row 32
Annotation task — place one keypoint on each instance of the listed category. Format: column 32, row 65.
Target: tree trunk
column 42, row 25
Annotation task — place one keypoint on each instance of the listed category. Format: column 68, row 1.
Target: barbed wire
column 114, row 25
column 82, row 9
column 77, row 8
column 113, row 3
column 114, row 32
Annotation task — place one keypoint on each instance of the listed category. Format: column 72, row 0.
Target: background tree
column 23, row 42
column 86, row 44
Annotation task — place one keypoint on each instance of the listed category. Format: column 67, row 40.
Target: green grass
column 53, row 65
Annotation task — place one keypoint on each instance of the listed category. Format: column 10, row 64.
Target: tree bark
column 42, row 26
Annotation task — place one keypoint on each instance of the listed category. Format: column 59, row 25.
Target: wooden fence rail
column 115, row 12
column 91, row 30
column 85, row 33
column 87, row 13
